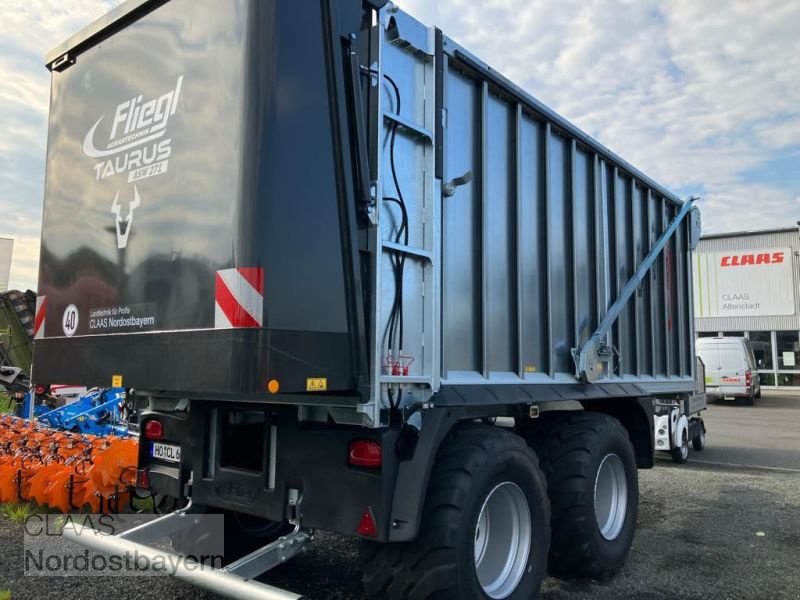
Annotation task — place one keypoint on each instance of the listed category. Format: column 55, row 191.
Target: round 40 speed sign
column 69, row 322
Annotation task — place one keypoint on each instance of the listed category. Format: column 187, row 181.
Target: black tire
column 746, row 400
column 699, row 441
column 680, row 454
column 472, row 461
column 571, row 448
column 242, row 534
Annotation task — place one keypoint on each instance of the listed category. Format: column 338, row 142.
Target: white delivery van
column 731, row 370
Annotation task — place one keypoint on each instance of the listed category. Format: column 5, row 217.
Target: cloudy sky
column 702, row 96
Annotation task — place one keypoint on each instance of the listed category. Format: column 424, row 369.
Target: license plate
column 165, row 452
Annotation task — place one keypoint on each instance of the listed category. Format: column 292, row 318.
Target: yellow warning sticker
column 316, row 384
column 530, row 368
column 116, row 381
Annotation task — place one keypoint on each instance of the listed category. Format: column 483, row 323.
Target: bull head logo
column 122, row 238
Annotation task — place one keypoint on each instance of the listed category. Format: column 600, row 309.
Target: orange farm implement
column 65, row 471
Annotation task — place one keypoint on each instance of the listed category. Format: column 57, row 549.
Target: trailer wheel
column 699, row 441
column 590, row 465
column 485, row 527
column 746, row 400
column 680, row 454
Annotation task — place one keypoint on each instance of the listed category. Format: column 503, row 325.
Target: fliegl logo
column 136, row 143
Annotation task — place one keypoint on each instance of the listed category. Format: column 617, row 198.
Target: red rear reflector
column 153, row 430
column 143, row 479
column 40, row 389
column 367, row 526
column 364, row 453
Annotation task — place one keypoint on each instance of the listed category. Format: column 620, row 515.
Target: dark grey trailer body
column 207, row 194
column 195, row 235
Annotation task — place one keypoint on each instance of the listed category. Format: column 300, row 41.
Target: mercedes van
column 731, row 370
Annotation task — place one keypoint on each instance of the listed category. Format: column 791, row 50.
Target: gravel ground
column 703, row 533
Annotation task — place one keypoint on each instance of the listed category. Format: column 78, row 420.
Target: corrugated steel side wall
column 770, row 239
column 543, row 240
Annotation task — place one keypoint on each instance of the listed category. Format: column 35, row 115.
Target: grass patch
column 6, row 406
column 142, row 504
column 5, row 594
column 17, row 513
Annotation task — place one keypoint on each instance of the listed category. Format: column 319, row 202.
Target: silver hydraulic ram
column 234, row 580
column 590, row 357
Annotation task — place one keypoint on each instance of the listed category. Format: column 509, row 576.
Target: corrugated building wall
column 754, row 277
column 744, row 241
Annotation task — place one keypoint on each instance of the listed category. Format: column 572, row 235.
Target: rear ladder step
column 235, row 580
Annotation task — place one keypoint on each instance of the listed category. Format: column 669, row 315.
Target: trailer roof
column 99, row 27
column 749, row 232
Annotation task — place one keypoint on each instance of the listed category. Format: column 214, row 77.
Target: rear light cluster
column 364, row 453
column 748, row 378
column 153, row 430
column 40, row 389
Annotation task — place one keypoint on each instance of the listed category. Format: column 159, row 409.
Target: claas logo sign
column 742, row 260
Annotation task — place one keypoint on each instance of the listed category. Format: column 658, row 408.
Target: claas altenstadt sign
column 743, row 260
column 742, row 284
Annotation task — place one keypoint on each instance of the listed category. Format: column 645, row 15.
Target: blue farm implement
column 24, row 409
column 99, row 412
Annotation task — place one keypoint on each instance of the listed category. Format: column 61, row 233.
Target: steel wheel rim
column 503, row 535
column 610, row 496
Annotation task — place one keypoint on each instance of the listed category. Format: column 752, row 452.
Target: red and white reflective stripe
column 38, row 321
column 239, row 298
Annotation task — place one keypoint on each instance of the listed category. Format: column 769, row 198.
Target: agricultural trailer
column 363, row 283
